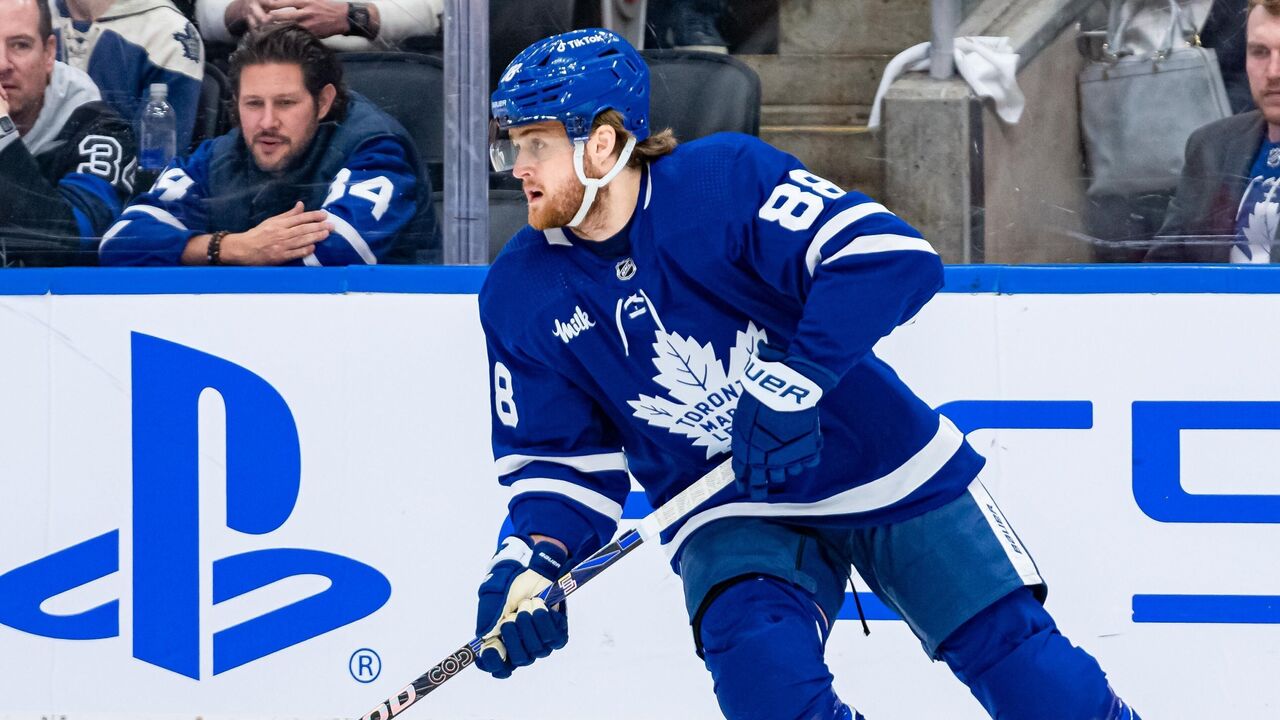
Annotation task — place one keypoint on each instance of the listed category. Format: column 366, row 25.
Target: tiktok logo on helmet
column 263, row 475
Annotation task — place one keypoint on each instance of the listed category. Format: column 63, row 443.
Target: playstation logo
column 263, row 476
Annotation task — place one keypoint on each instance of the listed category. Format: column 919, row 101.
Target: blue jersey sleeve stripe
column 879, row 493
column 563, row 488
column 600, row 462
column 869, row 244
column 833, row 227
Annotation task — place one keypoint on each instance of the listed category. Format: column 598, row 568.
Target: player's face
column 278, row 116
column 26, row 59
column 544, row 163
column 1262, row 62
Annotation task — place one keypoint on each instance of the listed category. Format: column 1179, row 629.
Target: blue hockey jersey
column 363, row 170
column 604, row 367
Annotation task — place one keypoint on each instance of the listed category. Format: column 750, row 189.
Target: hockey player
column 66, row 159
column 313, row 175
column 670, row 304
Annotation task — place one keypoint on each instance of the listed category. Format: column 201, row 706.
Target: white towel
column 988, row 64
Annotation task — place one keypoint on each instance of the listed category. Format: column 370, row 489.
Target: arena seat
column 213, row 113
column 682, row 80
column 410, row 88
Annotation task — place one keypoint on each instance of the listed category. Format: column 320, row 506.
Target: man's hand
column 288, row 236
column 242, row 16
column 775, row 427
column 324, row 18
column 517, row 627
column 4, row 102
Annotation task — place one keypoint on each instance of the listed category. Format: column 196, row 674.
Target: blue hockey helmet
column 572, row 78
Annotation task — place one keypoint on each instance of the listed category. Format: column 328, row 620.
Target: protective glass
column 504, row 152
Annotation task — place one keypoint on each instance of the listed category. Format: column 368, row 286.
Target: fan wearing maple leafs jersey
column 670, row 303
column 1259, row 213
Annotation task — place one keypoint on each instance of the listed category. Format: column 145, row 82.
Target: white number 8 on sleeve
column 782, row 205
column 504, row 401
column 786, row 199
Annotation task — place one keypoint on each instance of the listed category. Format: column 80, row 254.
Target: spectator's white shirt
column 399, row 19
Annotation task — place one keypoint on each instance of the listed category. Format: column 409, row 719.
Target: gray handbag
column 1136, row 113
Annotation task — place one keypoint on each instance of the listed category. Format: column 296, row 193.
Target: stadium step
column 814, row 79
column 817, row 90
column 832, row 27
column 816, row 108
column 848, row 155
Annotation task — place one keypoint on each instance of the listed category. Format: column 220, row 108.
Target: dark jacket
column 1200, row 224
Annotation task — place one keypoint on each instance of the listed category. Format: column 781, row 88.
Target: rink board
column 174, row 441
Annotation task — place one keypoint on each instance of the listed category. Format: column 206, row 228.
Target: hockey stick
column 657, row 521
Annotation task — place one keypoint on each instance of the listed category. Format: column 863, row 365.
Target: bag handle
column 1118, row 22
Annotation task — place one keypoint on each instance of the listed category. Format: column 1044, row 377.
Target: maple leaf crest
column 701, row 391
column 1261, row 229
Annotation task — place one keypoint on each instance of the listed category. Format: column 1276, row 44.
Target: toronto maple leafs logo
column 1259, row 230
column 701, row 392
column 189, row 39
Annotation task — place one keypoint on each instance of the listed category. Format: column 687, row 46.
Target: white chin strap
column 594, row 184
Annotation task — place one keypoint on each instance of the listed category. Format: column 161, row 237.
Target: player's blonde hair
column 651, row 148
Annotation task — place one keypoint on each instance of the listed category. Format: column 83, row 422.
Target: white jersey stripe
column 1009, row 540
column 879, row 493
column 555, row 236
column 353, row 238
column 602, row 462
column 577, row 493
column 113, row 231
column 160, row 214
column 867, row 244
column 311, row 261
column 832, row 227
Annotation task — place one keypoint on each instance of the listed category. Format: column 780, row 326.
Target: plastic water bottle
column 159, row 131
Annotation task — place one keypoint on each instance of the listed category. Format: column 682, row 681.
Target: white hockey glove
column 517, row 627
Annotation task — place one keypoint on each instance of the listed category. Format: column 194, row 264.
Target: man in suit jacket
column 1227, row 206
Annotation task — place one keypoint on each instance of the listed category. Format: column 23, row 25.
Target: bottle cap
column 159, row 90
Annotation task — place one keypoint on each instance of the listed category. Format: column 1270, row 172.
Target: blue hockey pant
column 763, row 641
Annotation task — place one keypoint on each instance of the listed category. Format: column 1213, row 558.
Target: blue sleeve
column 155, row 228
column 369, row 201
column 556, row 450
column 858, row 270
column 94, row 204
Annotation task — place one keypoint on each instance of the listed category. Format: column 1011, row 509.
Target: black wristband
column 215, row 247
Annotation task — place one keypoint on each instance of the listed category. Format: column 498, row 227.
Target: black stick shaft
column 660, row 519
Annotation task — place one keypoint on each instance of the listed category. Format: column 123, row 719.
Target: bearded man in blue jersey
column 670, row 304
column 313, row 175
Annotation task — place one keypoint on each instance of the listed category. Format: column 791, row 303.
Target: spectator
column 313, row 175
column 1224, row 32
column 126, row 45
column 66, row 159
column 344, row 26
column 1226, row 207
column 688, row 24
